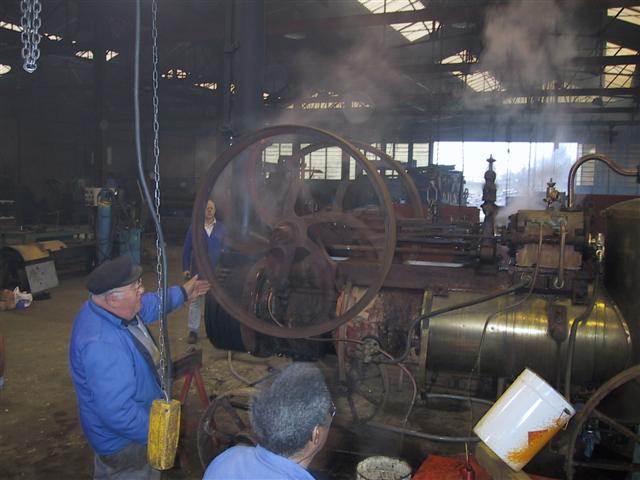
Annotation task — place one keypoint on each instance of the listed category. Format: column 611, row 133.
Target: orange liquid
column 536, row 440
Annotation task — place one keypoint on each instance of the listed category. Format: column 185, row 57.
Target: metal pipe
column 558, row 282
column 627, row 172
column 571, row 346
column 426, row 436
column 462, row 398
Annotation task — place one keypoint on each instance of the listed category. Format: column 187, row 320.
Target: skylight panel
column 478, row 81
column 618, row 76
column 483, row 82
column 457, row 58
column 414, row 31
column 628, row 14
column 52, row 37
column 88, row 54
column 17, row 28
column 410, row 31
column 10, row 26
column 207, row 85
column 4, row 69
column 175, row 73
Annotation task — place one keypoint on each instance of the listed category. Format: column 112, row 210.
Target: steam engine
column 312, row 265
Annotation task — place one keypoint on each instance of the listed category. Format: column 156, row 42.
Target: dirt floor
column 40, row 437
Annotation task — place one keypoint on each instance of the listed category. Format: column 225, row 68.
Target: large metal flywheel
column 284, row 228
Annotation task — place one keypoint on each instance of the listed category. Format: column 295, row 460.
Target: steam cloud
column 527, row 43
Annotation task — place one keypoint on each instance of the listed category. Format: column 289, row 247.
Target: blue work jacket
column 115, row 384
column 251, row 463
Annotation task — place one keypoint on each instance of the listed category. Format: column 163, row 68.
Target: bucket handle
column 565, row 411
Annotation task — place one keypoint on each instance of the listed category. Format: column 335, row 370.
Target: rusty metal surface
column 439, row 279
column 291, row 231
column 386, row 318
column 528, row 222
column 527, row 255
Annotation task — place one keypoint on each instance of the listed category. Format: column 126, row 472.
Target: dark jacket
column 214, row 246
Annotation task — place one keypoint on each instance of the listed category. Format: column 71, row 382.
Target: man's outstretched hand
column 195, row 287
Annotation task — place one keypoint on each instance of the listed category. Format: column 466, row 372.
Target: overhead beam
column 450, row 13
column 455, row 96
column 495, row 95
column 371, row 20
column 470, row 67
column 623, row 33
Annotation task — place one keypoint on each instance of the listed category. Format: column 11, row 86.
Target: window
column 325, row 163
column 272, row 153
column 587, row 174
column 522, row 169
column 421, row 154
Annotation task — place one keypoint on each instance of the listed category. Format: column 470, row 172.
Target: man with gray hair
column 115, row 362
column 291, row 420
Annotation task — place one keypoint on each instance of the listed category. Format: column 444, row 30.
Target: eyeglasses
column 135, row 286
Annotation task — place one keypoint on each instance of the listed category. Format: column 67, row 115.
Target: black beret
column 112, row 274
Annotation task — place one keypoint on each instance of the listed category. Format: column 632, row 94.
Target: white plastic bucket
column 523, row 420
column 383, row 468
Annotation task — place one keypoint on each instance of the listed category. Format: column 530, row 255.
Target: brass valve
column 597, row 243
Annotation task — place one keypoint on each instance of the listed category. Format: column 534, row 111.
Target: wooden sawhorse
column 188, row 366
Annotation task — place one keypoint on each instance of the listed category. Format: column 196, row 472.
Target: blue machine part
column 591, row 437
column 129, row 243
column 105, row 199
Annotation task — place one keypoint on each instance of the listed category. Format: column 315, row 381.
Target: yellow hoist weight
column 164, row 431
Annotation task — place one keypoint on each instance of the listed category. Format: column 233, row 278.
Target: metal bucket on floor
column 383, row 468
column 523, row 420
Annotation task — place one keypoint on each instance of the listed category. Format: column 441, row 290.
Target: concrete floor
column 40, row 437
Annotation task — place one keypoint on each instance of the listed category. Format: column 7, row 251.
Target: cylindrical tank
column 520, row 338
column 105, row 197
column 622, row 263
column 534, row 334
column 129, row 243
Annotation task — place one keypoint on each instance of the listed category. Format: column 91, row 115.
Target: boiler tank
column 522, row 337
column 622, row 263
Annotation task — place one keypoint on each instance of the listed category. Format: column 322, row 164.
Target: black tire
column 222, row 329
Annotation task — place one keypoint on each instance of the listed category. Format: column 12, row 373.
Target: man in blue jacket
column 291, row 419
column 114, row 364
column 214, row 233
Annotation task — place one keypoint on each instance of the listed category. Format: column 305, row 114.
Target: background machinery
column 460, row 304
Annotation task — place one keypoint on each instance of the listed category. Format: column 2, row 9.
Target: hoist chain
column 31, row 23
column 156, row 176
